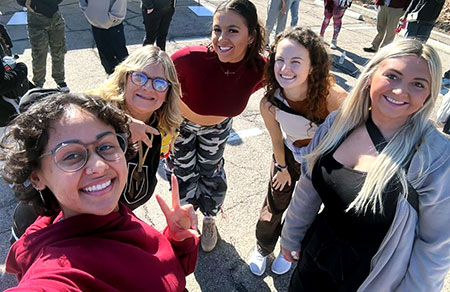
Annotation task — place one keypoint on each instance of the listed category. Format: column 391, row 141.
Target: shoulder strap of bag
column 282, row 106
column 379, row 142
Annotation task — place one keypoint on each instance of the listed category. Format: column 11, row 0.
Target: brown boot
column 209, row 234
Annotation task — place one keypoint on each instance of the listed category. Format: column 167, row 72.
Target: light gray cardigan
column 415, row 253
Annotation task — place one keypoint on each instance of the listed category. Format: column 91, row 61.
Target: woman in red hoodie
column 66, row 156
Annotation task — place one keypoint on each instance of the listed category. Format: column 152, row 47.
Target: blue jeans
column 420, row 31
column 294, row 12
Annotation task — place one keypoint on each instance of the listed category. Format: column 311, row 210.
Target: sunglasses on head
column 158, row 84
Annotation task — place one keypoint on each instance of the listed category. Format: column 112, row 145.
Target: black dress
column 339, row 245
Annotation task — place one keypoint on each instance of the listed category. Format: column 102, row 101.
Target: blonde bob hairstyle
column 114, row 88
column 391, row 162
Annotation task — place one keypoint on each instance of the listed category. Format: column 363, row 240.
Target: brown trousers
column 269, row 225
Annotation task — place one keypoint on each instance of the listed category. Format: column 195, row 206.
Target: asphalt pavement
column 248, row 155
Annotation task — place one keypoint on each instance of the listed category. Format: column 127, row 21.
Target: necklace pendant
column 228, row 73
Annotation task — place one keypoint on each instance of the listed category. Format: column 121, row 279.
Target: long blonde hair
column 399, row 150
column 113, row 89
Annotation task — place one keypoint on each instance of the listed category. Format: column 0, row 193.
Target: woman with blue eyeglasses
column 66, row 156
column 145, row 85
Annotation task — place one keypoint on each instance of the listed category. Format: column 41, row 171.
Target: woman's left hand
column 181, row 220
column 280, row 179
column 139, row 131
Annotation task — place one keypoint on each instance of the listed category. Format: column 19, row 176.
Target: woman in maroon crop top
column 216, row 83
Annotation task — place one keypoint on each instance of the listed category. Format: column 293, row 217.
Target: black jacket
column 5, row 36
column 45, row 7
column 157, row 4
column 13, row 84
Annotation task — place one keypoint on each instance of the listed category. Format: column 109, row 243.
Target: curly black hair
column 319, row 80
column 27, row 135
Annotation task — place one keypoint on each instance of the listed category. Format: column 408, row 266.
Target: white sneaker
column 63, row 87
column 333, row 44
column 257, row 262
column 281, row 266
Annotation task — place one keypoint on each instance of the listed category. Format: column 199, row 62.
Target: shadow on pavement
column 351, row 64
column 281, row 282
column 342, row 82
column 224, row 270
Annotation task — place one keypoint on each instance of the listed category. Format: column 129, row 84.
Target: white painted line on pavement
column 244, row 134
column 201, row 11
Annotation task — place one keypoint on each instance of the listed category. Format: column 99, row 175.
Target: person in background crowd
column 5, row 41
column 300, row 92
column 276, row 12
column 443, row 114
column 106, row 18
column 13, row 79
column 216, row 82
column 388, row 15
column 294, row 12
column 421, row 16
column 381, row 169
column 13, row 83
column 335, row 9
column 157, row 16
column 46, row 29
column 66, row 155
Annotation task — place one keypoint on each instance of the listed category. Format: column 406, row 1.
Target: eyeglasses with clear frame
column 71, row 156
column 158, row 84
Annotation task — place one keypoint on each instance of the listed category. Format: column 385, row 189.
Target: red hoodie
column 116, row 252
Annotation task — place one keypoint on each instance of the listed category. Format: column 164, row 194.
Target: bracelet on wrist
column 280, row 167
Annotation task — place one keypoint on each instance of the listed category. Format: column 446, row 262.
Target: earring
column 42, row 197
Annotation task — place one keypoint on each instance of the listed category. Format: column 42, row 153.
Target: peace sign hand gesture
column 181, row 220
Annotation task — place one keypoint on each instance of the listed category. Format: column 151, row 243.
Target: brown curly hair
column 319, row 80
column 27, row 135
